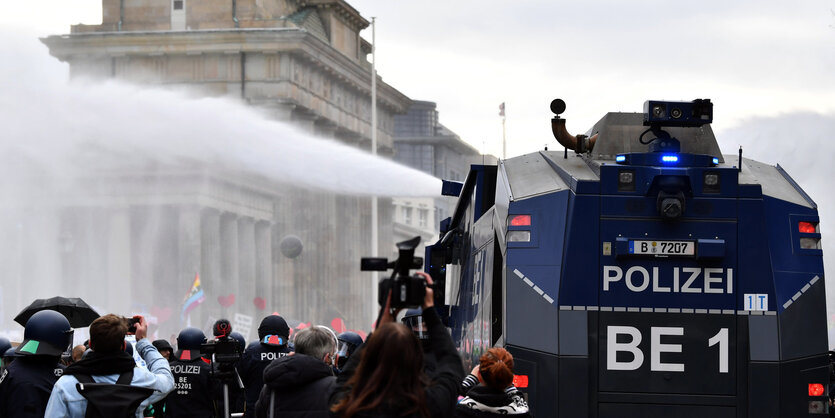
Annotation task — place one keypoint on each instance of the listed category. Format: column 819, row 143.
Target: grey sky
column 752, row 58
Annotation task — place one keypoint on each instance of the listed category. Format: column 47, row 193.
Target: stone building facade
column 423, row 143
column 300, row 61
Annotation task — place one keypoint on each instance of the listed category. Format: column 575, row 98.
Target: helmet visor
column 417, row 326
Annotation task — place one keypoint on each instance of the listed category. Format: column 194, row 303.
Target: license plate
column 641, row 247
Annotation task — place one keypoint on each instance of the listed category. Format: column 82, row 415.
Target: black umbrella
column 78, row 312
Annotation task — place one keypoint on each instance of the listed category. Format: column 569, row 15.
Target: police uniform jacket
column 299, row 386
column 255, row 359
column 194, row 390
column 25, row 386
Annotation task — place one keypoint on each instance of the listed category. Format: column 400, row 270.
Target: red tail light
column 815, row 389
column 807, row 227
column 520, row 220
column 521, row 381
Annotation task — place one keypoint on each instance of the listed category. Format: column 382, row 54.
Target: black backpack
column 111, row 400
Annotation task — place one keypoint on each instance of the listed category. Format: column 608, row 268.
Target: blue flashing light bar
column 620, row 158
column 669, row 158
column 715, row 161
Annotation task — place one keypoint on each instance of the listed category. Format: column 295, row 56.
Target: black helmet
column 189, row 342
column 5, row 344
column 237, row 336
column 190, row 338
column 348, row 343
column 414, row 320
column 273, row 330
column 47, row 333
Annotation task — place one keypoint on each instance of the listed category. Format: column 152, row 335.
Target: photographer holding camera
column 385, row 376
column 109, row 364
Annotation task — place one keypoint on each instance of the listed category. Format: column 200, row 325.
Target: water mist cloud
column 802, row 144
column 49, row 121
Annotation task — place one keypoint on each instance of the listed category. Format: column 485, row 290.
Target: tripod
column 227, row 375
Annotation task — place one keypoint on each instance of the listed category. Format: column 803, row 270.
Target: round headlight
column 711, row 180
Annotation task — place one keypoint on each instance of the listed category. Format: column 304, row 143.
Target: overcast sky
column 752, row 58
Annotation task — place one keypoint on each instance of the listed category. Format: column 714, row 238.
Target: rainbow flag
column 194, row 297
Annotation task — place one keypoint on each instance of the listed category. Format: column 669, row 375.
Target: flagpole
column 504, row 136
column 504, row 139
column 374, row 208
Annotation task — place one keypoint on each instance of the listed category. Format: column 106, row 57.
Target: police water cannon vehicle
column 643, row 275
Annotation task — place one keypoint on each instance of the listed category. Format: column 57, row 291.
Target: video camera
column 682, row 114
column 407, row 290
column 223, row 350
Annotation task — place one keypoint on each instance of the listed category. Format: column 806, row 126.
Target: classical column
column 189, row 243
column 285, row 293
column 142, row 247
column 117, row 278
column 210, row 272
column 264, row 268
column 246, row 266
column 228, row 264
column 40, row 256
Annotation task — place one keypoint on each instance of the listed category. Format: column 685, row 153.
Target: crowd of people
column 399, row 371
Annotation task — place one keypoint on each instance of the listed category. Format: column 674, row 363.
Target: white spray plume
column 45, row 117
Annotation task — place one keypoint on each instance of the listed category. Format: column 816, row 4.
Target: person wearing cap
column 26, row 383
column 273, row 334
column 165, row 348
column 107, row 362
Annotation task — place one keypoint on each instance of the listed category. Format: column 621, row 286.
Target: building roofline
column 452, row 141
column 225, row 41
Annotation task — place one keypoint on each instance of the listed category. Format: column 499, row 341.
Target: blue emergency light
column 669, row 158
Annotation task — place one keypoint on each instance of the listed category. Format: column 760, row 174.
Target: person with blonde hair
column 489, row 389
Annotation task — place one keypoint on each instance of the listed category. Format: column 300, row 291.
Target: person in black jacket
column 385, row 377
column 496, row 396
column 298, row 385
column 26, row 384
column 194, row 390
column 272, row 343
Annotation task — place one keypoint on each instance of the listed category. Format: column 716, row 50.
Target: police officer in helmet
column 194, row 390
column 414, row 320
column 348, row 343
column 25, row 385
column 8, row 357
column 273, row 335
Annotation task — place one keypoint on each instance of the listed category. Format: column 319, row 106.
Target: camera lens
column 675, row 113
column 659, row 111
